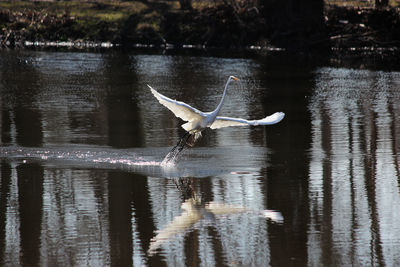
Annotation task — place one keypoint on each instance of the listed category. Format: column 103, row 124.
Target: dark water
column 82, row 184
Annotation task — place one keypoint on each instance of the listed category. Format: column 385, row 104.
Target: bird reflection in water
column 197, row 214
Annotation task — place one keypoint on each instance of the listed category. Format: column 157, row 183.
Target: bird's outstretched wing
column 179, row 108
column 221, row 122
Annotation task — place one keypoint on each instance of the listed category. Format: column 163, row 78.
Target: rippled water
column 82, row 181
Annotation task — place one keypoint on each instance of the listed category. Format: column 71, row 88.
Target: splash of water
column 171, row 158
column 81, row 155
column 155, row 162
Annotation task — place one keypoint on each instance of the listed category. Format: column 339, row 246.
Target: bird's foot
column 191, row 140
column 183, row 142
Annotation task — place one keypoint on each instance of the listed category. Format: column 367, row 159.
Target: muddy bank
column 220, row 26
column 216, row 26
column 363, row 27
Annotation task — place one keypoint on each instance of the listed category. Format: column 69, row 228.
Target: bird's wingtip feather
column 279, row 116
column 272, row 119
column 154, row 92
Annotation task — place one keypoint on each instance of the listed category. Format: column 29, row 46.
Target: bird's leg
column 184, row 140
column 181, row 143
column 191, row 140
column 171, row 156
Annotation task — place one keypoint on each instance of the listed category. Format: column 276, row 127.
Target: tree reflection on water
column 331, row 167
column 354, row 169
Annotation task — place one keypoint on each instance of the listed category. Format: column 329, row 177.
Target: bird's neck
column 216, row 111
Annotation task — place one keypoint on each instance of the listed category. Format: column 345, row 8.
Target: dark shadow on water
column 288, row 86
column 20, row 96
column 128, row 202
column 124, row 123
column 30, row 192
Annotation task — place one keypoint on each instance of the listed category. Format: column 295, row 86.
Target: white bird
column 197, row 120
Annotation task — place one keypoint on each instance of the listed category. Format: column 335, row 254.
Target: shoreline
column 347, row 29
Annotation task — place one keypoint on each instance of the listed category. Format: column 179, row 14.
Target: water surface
column 82, row 141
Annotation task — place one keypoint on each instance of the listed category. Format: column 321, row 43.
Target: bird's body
column 197, row 120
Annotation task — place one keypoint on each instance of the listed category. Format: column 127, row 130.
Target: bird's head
column 234, row 78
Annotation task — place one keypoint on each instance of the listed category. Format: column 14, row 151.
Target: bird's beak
column 235, row 78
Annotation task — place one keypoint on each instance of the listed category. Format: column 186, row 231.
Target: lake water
column 82, row 140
